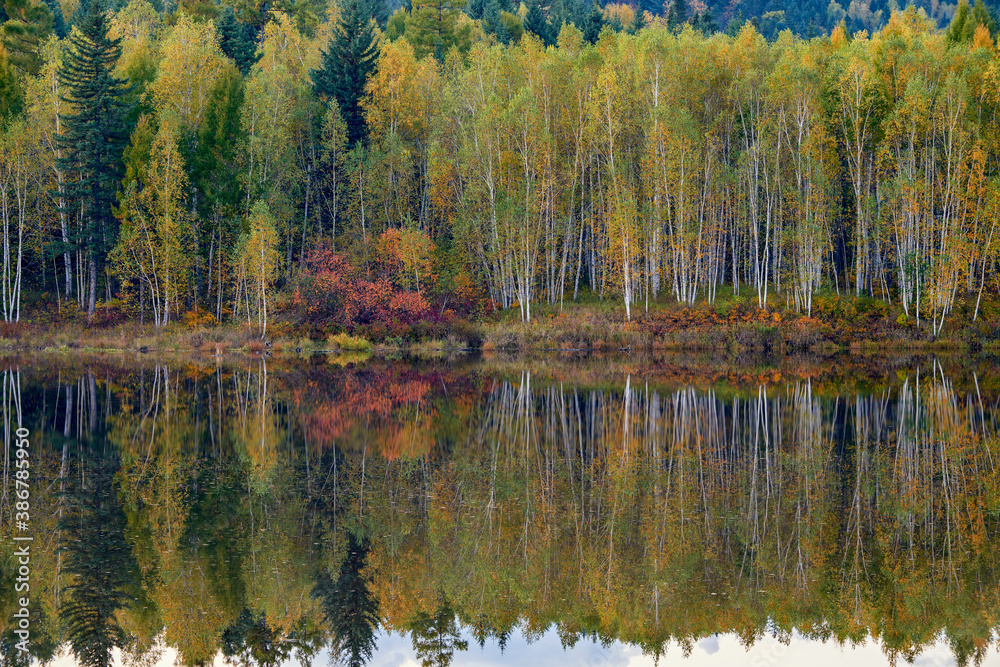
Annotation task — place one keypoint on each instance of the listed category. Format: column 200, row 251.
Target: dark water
column 597, row 511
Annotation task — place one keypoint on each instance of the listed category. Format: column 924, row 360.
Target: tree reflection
column 436, row 635
column 97, row 557
column 251, row 642
column 270, row 513
column 350, row 608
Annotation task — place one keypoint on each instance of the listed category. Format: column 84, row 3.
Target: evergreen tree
column 706, row 23
column 379, row 10
column 535, row 23
column 251, row 639
column 677, row 15
column 638, row 22
column 654, row 7
column 94, row 136
column 436, row 636
column 965, row 21
column 238, row 41
column 983, row 15
column 346, row 65
column 493, row 23
column 396, row 26
column 214, row 167
column 433, row 27
column 27, row 25
column 349, row 606
column 11, row 95
column 98, row 560
column 58, row 20
column 736, row 23
column 593, row 24
column 961, row 29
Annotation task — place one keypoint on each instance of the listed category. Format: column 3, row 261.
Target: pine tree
column 983, row 15
column 535, row 23
column 346, row 65
column 493, row 24
column 237, row 40
column 436, row 636
column 97, row 558
column 961, row 28
column 638, row 22
column 94, row 137
column 27, row 26
column 214, row 164
column 255, row 642
column 677, row 14
column 432, row 28
column 11, row 94
column 349, row 606
column 593, row 24
column 652, row 6
column 704, row 23
column 58, row 20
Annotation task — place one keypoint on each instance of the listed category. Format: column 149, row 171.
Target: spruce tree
column 437, row 636
column 11, row 94
column 638, row 22
column 27, row 26
column 983, row 15
column 493, row 23
column 350, row 608
column 677, row 14
column 707, row 23
column 237, row 40
column 535, row 23
column 97, row 558
column 346, row 65
column 58, row 20
column 433, row 27
column 94, row 137
column 593, row 24
column 654, row 7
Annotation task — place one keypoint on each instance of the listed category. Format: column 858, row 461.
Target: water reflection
column 285, row 514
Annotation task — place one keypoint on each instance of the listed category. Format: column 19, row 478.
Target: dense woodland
column 349, row 164
column 268, row 512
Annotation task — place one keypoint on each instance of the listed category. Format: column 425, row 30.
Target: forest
column 357, row 165
column 446, row 504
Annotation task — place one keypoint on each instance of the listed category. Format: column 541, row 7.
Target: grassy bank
column 734, row 324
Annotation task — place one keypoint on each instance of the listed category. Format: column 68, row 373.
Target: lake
column 551, row 509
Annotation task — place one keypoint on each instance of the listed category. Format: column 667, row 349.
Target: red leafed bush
column 330, row 292
column 409, row 307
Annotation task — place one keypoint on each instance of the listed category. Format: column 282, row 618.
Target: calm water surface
column 546, row 510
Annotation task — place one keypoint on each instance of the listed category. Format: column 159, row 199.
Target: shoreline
column 857, row 326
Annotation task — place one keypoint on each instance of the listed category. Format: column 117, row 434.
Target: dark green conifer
column 493, row 24
column 593, row 24
column 350, row 608
column 26, row 27
column 237, row 40
column 638, row 22
column 535, row 23
column 97, row 559
column 11, row 95
column 94, row 137
column 677, row 15
column 58, row 20
column 346, row 65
